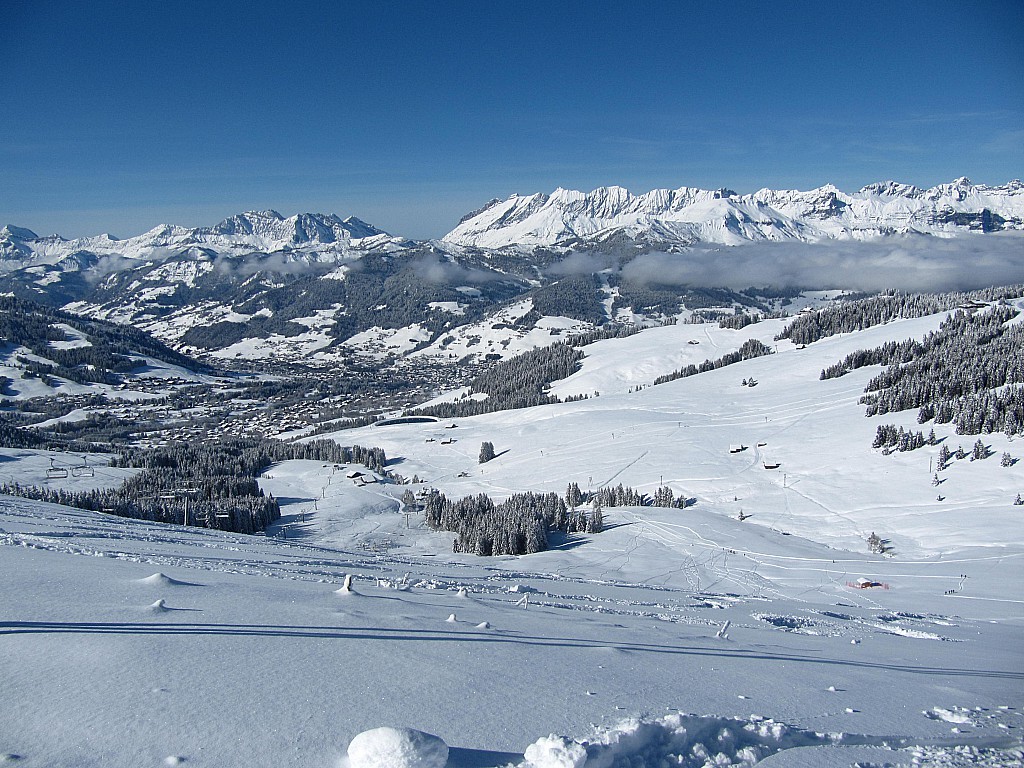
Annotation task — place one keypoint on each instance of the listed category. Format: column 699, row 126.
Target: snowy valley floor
column 675, row 637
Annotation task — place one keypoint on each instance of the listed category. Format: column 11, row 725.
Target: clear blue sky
column 120, row 116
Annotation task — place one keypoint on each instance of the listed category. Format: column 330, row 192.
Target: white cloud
column 911, row 263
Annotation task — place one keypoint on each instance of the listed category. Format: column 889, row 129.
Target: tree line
column 521, row 524
column 112, row 349
column 963, row 373
column 750, row 349
column 214, row 484
column 848, row 316
column 519, row 382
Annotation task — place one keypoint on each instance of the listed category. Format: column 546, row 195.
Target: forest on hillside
column 103, row 353
column 967, row 373
column 206, row 485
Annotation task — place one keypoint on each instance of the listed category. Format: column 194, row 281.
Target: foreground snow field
column 675, row 637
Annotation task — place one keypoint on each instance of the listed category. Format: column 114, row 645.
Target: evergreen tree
column 980, row 450
column 486, row 451
column 596, row 524
column 573, row 495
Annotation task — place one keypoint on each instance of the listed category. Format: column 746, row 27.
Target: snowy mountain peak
column 316, row 236
column 359, row 228
column 890, row 188
column 684, row 216
column 10, row 232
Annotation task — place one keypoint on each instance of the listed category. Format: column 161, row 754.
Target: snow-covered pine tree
column 980, row 450
column 573, row 495
column 486, row 451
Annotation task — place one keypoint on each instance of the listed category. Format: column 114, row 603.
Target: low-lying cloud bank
column 435, row 270
column 911, row 263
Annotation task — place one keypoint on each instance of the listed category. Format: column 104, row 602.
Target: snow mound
column 346, row 587
column 397, row 748
column 948, row 715
column 680, row 739
column 555, row 752
column 966, row 756
column 159, row 606
column 162, row 580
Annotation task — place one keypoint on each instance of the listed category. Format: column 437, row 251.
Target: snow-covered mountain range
column 313, row 281
column 675, row 217
column 318, row 236
column 687, row 216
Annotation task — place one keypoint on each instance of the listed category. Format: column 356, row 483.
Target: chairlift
column 83, row 471
column 55, row 472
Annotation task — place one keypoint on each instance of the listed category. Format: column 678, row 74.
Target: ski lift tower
column 186, row 494
column 175, row 494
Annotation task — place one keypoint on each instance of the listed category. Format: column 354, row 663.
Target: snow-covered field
column 675, row 637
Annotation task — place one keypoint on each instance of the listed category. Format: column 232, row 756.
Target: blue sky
column 121, row 116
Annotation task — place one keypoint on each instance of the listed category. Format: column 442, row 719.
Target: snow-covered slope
column 661, row 641
column 686, row 215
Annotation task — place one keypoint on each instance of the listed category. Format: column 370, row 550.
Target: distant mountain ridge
column 262, row 285
column 568, row 218
column 319, row 235
column 687, row 216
